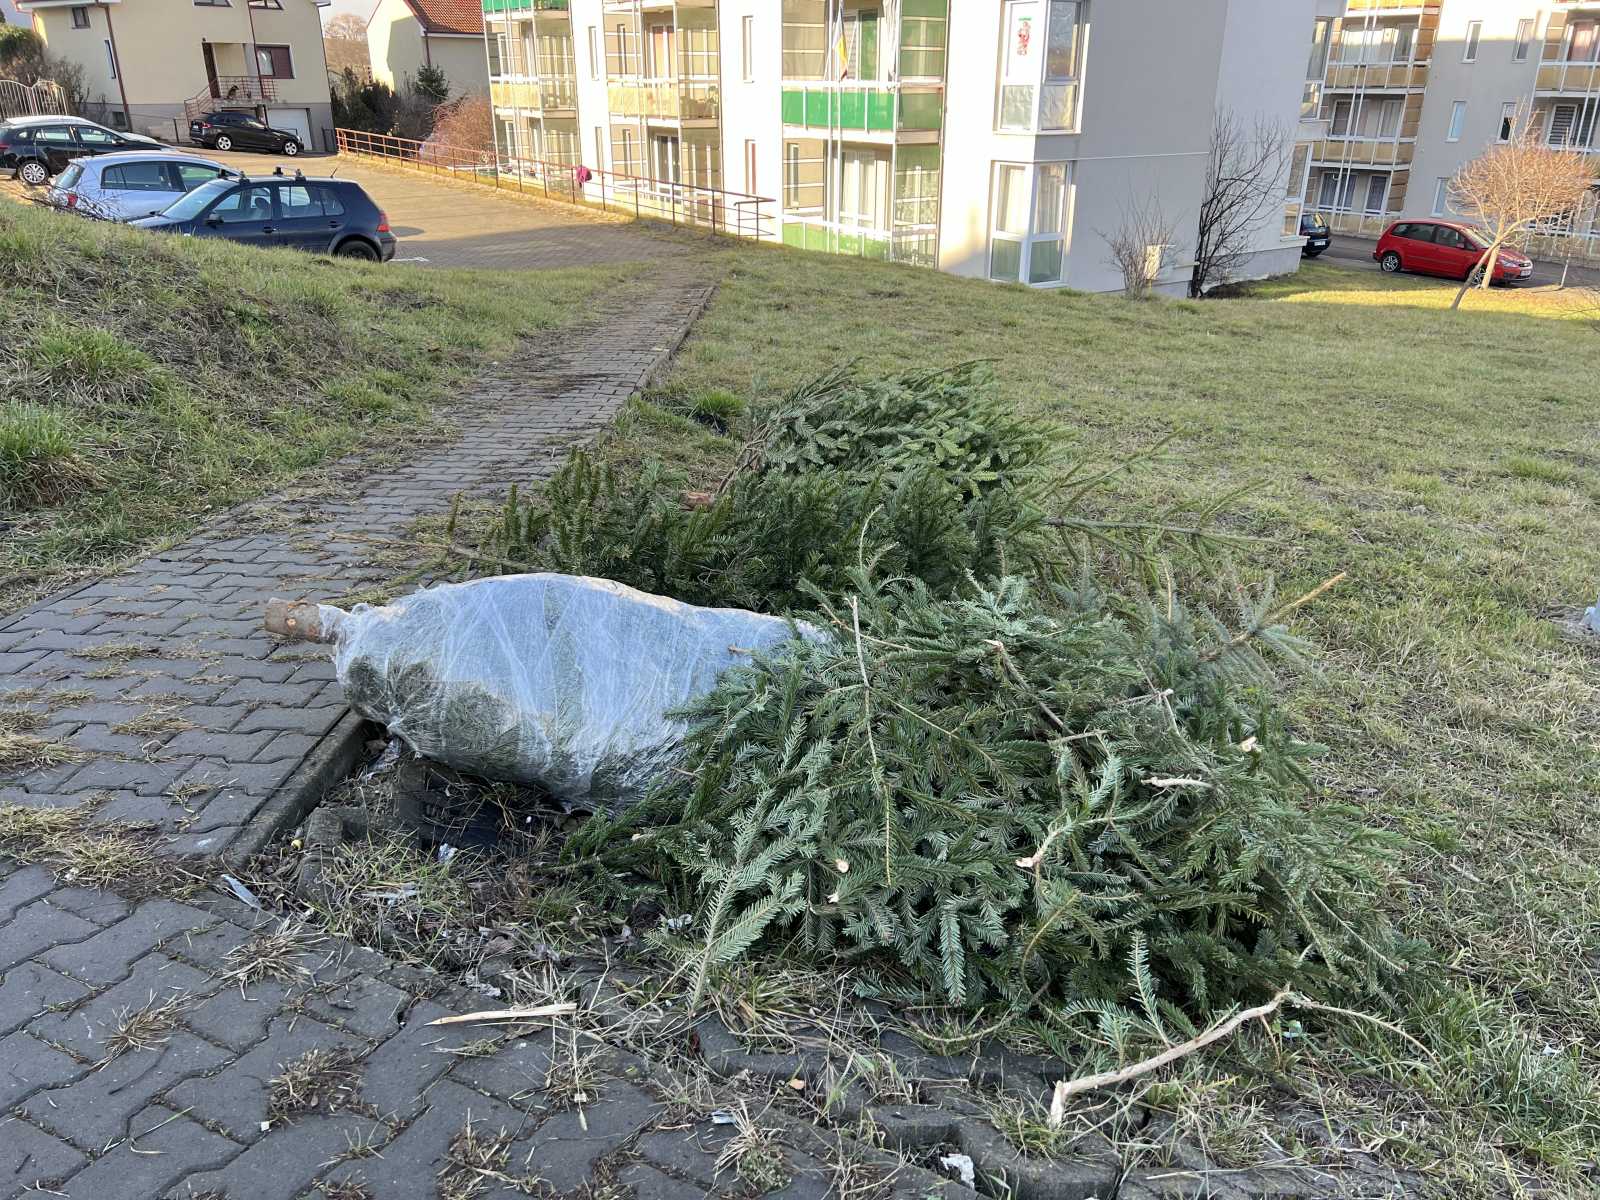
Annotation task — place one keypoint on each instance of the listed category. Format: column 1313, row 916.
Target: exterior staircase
column 247, row 92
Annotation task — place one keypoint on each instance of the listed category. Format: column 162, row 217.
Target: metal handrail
column 736, row 214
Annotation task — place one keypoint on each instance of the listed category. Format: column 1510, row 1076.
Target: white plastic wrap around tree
column 553, row 680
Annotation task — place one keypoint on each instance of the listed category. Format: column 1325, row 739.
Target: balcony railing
column 542, row 95
column 868, row 107
column 735, row 214
column 665, row 99
column 1363, row 151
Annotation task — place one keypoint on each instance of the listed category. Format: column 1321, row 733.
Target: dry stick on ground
column 1509, row 189
column 1067, row 1088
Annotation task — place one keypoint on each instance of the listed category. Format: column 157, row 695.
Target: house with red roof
column 404, row 36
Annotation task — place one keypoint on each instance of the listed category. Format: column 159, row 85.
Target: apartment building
column 151, row 65
column 1002, row 139
column 1413, row 92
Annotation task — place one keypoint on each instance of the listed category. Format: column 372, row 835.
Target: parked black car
column 1314, row 228
column 229, row 130
column 326, row 216
column 35, row 148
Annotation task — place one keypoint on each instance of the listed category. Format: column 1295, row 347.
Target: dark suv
column 226, row 130
column 326, row 216
column 35, row 148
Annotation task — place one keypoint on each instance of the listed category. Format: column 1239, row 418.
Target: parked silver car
column 122, row 187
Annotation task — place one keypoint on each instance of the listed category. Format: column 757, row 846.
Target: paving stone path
column 178, row 710
column 140, row 1059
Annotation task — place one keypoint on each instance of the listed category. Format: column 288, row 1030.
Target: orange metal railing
column 736, row 214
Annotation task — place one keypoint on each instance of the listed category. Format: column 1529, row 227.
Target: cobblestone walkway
column 177, row 710
column 144, row 1056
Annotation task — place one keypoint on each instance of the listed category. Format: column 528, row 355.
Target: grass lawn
column 1451, row 465
column 152, row 380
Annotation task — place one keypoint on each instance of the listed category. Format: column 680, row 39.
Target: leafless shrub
column 1508, row 190
column 1138, row 248
column 1244, row 186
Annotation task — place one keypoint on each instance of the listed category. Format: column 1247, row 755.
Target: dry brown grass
column 319, row 1081
column 146, row 1027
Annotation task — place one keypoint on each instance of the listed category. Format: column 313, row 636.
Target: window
column 1571, row 125
column 137, row 177
column 1040, row 67
column 1458, row 118
column 308, row 201
column 111, row 59
column 273, row 4
column 274, row 62
column 212, row 4
column 1441, row 198
column 192, row 175
column 750, row 166
column 91, row 135
column 1028, row 235
column 1474, row 36
column 594, row 52
column 497, row 55
column 1581, row 41
column 1524, row 42
column 747, row 47
column 80, row 17
column 246, row 204
column 1377, row 191
column 54, row 135
column 1508, row 121
column 599, row 149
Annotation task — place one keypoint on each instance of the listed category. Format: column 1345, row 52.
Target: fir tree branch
column 1267, row 619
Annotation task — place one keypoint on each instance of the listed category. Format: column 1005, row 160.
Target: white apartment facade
column 1001, row 139
column 1413, row 92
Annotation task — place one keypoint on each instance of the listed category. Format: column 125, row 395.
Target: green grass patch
column 1450, row 463
column 155, row 379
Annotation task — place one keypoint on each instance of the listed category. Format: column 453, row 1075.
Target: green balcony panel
column 880, row 111
column 794, row 234
column 819, row 110
column 852, row 110
column 921, row 110
column 794, row 107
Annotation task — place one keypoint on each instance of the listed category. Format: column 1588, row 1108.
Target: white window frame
column 1010, row 75
column 1367, row 207
column 594, row 52
column 1508, row 123
column 1474, row 38
column 1458, row 121
column 600, row 150
column 1441, row 197
column 111, row 58
column 1522, row 47
column 1029, row 239
column 80, row 11
column 750, row 167
column 747, row 47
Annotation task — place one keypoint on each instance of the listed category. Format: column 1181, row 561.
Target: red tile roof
column 449, row 16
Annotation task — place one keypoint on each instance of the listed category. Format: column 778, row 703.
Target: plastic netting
column 553, row 680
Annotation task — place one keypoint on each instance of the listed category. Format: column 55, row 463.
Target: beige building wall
column 160, row 53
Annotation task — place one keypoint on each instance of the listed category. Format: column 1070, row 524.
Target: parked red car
column 1444, row 248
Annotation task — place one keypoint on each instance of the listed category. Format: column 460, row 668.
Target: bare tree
column 1246, row 167
column 344, row 38
column 1509, row 189
column 1138, row 247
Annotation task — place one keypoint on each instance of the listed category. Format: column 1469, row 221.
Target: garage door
column 296, row 120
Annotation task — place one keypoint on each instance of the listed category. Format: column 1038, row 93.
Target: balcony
column 864, row 108
column 555, row 96
column 1362, row 152
column 688, row 102
column 1560, row 77
column 514, row 6
column 1396, row 76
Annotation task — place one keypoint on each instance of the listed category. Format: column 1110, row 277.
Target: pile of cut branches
column 999, row 785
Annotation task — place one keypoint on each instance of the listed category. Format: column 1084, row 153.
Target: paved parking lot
column 441, row 223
